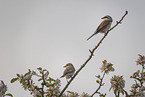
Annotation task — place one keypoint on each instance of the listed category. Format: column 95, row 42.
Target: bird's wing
column 102, row 26
column 68, row 70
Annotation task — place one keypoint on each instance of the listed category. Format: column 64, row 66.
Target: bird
column 104, row 26
column 69, row 71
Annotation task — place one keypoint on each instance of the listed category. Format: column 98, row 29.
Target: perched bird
column 69, row 71
column 104, row 26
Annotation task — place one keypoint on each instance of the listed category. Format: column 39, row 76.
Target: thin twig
column 100, row 84
column 42, row 95
column 91, row 55
column 118, row 94
column 126, row 93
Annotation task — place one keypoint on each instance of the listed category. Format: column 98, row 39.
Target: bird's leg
column 67, row 80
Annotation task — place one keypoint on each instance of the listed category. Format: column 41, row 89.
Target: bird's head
column 107, row 17
column 68, row 64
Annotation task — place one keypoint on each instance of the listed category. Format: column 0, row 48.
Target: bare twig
column 42, row 94
column 100, row 84
column 91, row 55
column 126, row 93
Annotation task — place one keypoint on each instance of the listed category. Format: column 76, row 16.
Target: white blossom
column 118, row 83
column 85, row 95
column 54, row 90
column 36, row 93
column 141, row 60
column 107, row 67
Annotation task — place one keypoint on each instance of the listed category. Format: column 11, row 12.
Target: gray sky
column 51, row 33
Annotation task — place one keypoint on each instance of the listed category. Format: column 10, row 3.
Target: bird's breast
column 107, row 28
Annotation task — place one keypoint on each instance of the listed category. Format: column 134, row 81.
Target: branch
column 126, row 93
column 91, row 55
column 100, row 84
column 42, row 94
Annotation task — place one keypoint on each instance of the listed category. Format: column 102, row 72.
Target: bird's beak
column 103, row 17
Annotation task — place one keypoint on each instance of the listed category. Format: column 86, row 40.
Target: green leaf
column 39, row 68
column 47, row 84
column 122, row 93
column 115, row 91
column 69, row 91
column 105, row 61
column 90, row 51
column 139, row 55
column 44, row 70
column 22, row 80
column 29, row 86
column 97, row 81
column 106, row 71
column 8, row 94
column 27, row 73
column 50, row 79
column 40, row 79
column 2, row 82
column 98, row 76
column 102, row 84
column 110, row 64
column 110, row 89
column 18, row 75
column 47, row 73
column 14, row 79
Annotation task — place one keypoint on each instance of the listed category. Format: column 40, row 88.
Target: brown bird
column 104, row 26
column 69, row 71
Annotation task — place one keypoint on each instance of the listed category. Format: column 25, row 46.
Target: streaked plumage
column 69, row 71
column 104, row 26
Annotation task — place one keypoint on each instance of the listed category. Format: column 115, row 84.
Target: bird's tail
column 91, row 36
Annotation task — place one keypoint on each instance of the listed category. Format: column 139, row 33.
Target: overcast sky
column 51, row 33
